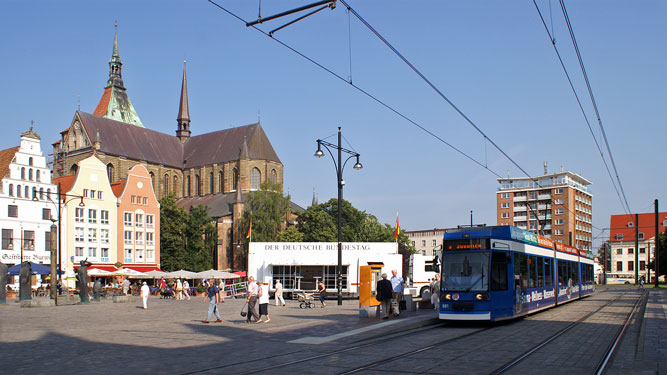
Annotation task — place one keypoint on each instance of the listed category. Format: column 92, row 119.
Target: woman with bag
column 263, row 301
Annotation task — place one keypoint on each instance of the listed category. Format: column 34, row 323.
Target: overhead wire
column 358, row 88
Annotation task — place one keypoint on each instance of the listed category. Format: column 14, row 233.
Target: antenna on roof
column 259, row 117
column 32, row 122
column 78, row 102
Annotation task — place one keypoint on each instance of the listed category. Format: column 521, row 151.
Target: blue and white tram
column 503, row 272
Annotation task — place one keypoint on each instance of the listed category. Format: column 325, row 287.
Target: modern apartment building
column 426, row 241
column 556, row 205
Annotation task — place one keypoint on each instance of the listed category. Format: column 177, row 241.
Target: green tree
column 201, row 238
column 173, row 255
column 291, row 234
column 269, row 210
column 662, row 255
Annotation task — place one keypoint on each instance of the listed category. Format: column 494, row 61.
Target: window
column 235, row 179
column 619, row 266
column 149, row 221
column 631, row 266
column 127, row 219
column 139, row 220
column 255, row 179
column 642, row 265
column 504, row 195
column 41, row 193
column 631, row 224
column 434, row 242
column 505, row 215
column 11, row 190
column 220, row 183
column 619, row 251
column 92, row 216
column 104, row 235
column 78, row 215
column 37, row 176
column 631, row 251
column 559, row 190
column 423, row 242
column 197, row 185
column 139, row 236
column 165, row 185
column 498, row 271
column 7, row 239
column 92, row 194
column 558, row 201
column 139, row 254
column 128, row 237
column 505, row 205
column 104, row 254
column 23, row 173
column 78, row 234
column 92, row 235
column 211, row 183
column 34, row 192
column 30, row 174
column 12, row 211
column 28, row 240
column 619, row 237
column 548, row 273
column 150, row 254
column 640, row 236
column 27, row 192
column 128, row 255
column 187, row 186
column 46, row 214
column 78, row 251
column 642, row 250
column 145, row 201
column 48, row 193
column 559, row 232
column 559, row 211
column 104, row 217
column 560, row 221
column 92, row 252
column 85, row 193
column 99, row 195
column 175, row 187
column 149, row 238
column 274, row 176
column 532, row 195
column 133, row 199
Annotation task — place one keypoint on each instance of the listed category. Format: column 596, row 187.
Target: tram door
column 500, row 286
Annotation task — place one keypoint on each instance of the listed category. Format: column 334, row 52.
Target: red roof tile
column 6, row 157
column 103, row 105
column 118, row 187
column 66, row 183
column 619, row 225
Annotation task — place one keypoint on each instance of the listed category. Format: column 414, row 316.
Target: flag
column 249, row 235
column 397, row 229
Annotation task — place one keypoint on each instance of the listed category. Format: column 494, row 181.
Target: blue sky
column 492, row 59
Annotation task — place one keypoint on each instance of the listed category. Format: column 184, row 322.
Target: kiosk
column 368, row 278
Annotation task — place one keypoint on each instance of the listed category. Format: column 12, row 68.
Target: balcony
column 544, row 197
column 519, row 208
column 520, row 199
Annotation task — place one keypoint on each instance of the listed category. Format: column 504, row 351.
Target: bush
column 200, row 289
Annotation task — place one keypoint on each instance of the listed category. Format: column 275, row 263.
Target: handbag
column 244, row 313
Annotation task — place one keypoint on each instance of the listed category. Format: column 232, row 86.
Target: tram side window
column 548, row 273
column 498, row 271
column 517, row 272
column 575, row 273
column 562, row 273
column 524, row 271
column 540, row 272
column 532, row 265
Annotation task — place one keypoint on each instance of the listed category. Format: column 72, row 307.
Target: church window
column 197, row 185
column 255, row 178
column 165, row 185
column 30, row 174
column 274, row 176
column 220, row 182
column 211, row 184
column 18, row 191
column 11, row 190
column 30, row 161
column 37, row 175
column 152, row 179
column 73, row 169
column 110, row 171
column 22, row 173
column 175, row 186
column 187, row 186
column 235, row 179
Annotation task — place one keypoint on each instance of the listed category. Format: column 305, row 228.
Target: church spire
column 115, row 65
column 183, row 131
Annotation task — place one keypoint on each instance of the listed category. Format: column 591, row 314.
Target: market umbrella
column 156, row 274
column 129, row 273
column 216, row 274
column 98, row 272
column 37, row 269
column 181, row 274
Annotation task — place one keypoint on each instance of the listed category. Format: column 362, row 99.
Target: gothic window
column 235, row 179
column 152, row 179
column 187, row 184
column 30, row 174
column 197, row 185
column 37, row 175
column 274, row 176
column 11, row 190
column 22, row 173
column 165, row 185
column 110, row 172
column 255, row 178
column 30, row 161
column 73, row 169
column 175, row 186
column 220, row 182
column 211, row 184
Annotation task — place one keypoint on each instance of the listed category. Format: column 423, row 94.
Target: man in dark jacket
column 385, row 293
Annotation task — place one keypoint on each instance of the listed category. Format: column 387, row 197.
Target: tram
column 504, row 272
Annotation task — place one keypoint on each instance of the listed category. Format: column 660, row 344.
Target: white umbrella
column 216, row 274
column 98, row 272
column 128, row 272
column 156, row 274
column 181, row 274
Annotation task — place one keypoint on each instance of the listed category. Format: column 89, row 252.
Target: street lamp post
column 339, row 180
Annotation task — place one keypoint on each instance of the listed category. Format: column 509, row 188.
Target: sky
column 493, row 60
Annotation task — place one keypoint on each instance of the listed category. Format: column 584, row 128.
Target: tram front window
column 466, row 272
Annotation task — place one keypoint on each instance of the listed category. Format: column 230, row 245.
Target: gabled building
column 205, row 169
column 27, row 202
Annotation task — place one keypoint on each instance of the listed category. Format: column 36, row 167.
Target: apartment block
column 426, row 241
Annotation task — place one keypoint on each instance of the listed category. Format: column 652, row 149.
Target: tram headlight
column 447, row 296
column 455, row 296
column 481, row 296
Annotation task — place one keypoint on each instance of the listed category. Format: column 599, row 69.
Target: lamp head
column 319, row 153
column 81, row 204
column 358, row 165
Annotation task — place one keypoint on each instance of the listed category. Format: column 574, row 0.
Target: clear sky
column 492, row 59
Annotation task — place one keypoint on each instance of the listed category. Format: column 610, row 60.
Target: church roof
column 224, row 145
column 122, row 139
column 220, row 205
column 6, row 157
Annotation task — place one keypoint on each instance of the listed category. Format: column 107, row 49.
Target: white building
column 426, row 241
column 27, row 202
column 299, row 265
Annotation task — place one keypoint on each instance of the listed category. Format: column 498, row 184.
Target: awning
column 143, row 268
column 240, row 273
column 100, row 267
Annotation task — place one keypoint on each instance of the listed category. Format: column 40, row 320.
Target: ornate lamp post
column 339, row 178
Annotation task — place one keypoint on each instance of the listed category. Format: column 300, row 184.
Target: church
column 215, row 169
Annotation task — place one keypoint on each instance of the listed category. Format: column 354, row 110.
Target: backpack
column 259, row 294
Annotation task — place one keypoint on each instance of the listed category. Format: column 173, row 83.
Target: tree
column 269, row 211
column 173, row 255
column 662, row 255
column 291, row 234
column 201, row 238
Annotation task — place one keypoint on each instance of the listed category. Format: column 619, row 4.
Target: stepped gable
column 224, row 146
column 6, row 157
column 130, row 141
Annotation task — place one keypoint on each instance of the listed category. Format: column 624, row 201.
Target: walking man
column 253, row 291
column 213, row 295
column 397, row 286
column 385, row 294
column 279, row 293
column 145, row 292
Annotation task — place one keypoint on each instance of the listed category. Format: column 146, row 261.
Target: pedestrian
column 385, row 294
column 251, row 299
column 145, row 292
column 221, row 286
column 263, row 301
column 186, row 289
column 397, row 286
column 323, row 292
column 126, row 286
column 179, row 289
column 279, row 293
column 213, row 295
column 641, row 282
column 435, row 294
column 163, row 284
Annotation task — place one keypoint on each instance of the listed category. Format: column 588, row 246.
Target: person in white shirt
column 145, row 292
column 279, row 293
column 253, row 292
column 263, row 301
column 186, row 289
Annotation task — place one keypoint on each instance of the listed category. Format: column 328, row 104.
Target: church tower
column 183, row 131
column 115, row 104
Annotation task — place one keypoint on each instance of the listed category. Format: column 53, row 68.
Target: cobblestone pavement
column 169, row 338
